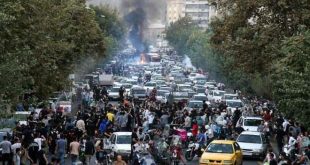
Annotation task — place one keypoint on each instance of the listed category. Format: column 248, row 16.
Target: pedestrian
column 61, row 145
column 74, row 151
column 6, row 151
column 33, row 150
column 42, row 157
column 280, row 138
column 119, row 161
column 89, row 150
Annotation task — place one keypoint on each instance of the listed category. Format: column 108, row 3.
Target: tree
column 292, row 77
column 41, row 42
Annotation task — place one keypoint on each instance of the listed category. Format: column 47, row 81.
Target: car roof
column 250, row 133
column 195, row 101
column 233, row 100
column 223, row 141
column 122, row 133
column 200, row 94
column 252, row 117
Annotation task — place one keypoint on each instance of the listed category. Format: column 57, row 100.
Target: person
column 42, row 157
column 272, row 160
column 280, row 138
column 40, row 140
column 74, row 151
column 119, row 161
column 187, row 122
column 33, row 150
column 15, row 148
column 89, row 150
column 80, row 124
column 61, row 145
column 6, row 150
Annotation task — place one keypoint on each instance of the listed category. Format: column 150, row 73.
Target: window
column 255, row 139
column 220, row 148
column 236, row 146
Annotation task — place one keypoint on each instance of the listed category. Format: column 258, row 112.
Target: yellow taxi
column 222, row 152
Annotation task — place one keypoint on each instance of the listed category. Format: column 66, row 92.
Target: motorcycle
column 162, row 155
column 193, row 149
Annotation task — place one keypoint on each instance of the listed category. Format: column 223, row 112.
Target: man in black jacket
column 89, row 150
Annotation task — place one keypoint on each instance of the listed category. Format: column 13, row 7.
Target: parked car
column 232, row 105
column 253, row 144
column 138, row 93
column 222, row 152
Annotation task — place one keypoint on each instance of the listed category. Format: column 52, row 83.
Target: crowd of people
column 56, row 138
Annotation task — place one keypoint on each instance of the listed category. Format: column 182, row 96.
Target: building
column 199, row 10
column 175, row 10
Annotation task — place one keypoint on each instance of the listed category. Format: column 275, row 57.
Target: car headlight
column 228, row 162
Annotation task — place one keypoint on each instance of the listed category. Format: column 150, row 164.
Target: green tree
column 292, row 77
column 42, row 41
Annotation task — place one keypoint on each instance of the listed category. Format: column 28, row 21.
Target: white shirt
column 187, row 122
column 284, row 124
column 140, row 147
column 150, row 118
column 15, row 146
column 291, row 142
column 80, row 124
column 39, row 141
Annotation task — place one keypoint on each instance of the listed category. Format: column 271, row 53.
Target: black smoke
column 136, row 22
column 138, row 15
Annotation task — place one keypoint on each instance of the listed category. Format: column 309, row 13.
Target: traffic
column 164, row 112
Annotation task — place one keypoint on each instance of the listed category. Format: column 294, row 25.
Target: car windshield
column 150, row 84
column 252, row 122
column 200, row 90
column 230, row 97
column 234, row 104
column 202, row 98
column 138, row 92
column 195, row 104
column 114, row 89
column 250, row 139
column 220, row 148
column 161, row 93
column 123, row 139
column 216, row 93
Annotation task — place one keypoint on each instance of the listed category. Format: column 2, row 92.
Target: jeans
column 87, row 159
column 61, row 157
column 74, row 159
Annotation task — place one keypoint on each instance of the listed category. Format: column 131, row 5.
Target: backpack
column 33, row 148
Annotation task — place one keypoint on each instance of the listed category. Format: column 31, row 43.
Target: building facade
column 175, row 10
column 199, row 10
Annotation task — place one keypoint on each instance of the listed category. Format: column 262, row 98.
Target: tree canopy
column 42, row 41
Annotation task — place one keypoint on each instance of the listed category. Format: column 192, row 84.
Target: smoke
column 139, row 14
column 187, row 62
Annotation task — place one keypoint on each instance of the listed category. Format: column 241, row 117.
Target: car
column 230, row 96
column 150, row 85
column 120, row 144
column 183, row 87
column 138, row 93
column 166, row 88
column 232, row 105
column 253, row 144
column 161, row 95
column 215, row 95
column 218, row 152
column 201, row 97
column 113, row 93
column 180, row 96
column 194, row 104
column 249, row 123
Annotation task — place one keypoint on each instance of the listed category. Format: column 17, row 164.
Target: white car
column 113, row 93
column 150, row 85
column 120, row 143
column 253, row 144
column 232, row 105
column 229, row 96
column 161, row 95
column 201, row 97
column 215, row 95
column 249, row 123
